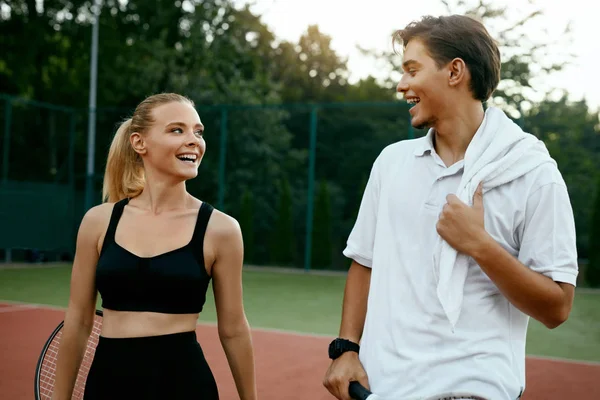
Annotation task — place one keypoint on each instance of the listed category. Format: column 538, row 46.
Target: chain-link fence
column 292, row 175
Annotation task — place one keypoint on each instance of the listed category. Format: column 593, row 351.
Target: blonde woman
column 151, row 250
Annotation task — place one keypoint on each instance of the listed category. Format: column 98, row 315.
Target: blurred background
column 298, row 98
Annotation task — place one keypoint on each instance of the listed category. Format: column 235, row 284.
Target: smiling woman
column 151, row 250
column 160, row 118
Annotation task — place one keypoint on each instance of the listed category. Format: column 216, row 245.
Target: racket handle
column 358, row 391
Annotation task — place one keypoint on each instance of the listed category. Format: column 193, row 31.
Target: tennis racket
column 46, row 365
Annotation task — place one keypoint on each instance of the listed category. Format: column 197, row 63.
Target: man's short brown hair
column 459, row 36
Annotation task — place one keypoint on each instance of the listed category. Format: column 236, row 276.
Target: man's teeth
column 413, row 100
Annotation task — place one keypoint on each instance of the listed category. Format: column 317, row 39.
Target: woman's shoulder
column 100, row 211
column 94, row 223
column 97, row 217
column 223, row 225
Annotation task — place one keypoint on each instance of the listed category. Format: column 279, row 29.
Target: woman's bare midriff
column 124, row 324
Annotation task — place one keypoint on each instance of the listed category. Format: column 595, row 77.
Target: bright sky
column 371, row 23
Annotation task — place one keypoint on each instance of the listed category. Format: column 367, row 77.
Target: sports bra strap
column 199, row 231
column 114, row 221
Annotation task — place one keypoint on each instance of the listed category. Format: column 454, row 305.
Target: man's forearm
column 531, row 292
column 354, row 308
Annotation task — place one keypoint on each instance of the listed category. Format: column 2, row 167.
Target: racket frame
column 38, row 367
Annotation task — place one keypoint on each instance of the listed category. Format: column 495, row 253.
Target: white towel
column 499, row 153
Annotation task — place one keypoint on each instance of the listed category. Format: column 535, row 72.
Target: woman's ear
column 138, row 143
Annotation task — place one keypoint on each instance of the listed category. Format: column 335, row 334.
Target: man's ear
column 138, row 143
column 457, row 72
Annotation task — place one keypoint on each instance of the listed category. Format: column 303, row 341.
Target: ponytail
column 124, row 174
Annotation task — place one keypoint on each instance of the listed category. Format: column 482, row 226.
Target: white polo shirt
column 408, row 348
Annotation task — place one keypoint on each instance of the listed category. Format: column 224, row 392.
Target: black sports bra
column 174, row 282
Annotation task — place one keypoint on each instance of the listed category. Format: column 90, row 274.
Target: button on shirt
column 408, row 348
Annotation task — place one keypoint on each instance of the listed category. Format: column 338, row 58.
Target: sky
column 370, row 24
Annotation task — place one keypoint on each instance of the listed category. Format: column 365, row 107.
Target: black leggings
column 155, row 367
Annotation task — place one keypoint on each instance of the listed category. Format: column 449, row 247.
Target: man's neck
column 453, row 134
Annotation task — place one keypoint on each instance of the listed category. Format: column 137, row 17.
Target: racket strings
column 48, row 367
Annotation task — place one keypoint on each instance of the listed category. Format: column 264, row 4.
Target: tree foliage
column 218, row 53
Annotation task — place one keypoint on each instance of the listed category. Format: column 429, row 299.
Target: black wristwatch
column 339, row 346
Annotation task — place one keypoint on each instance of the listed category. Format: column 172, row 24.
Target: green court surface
column 311, row 303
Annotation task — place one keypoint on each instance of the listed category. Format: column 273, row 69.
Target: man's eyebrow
column 408, row 63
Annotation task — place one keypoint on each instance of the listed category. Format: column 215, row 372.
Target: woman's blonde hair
column 124, row 173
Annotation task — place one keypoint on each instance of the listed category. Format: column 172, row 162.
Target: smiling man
column 461, row 237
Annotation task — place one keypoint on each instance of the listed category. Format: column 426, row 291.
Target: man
column 461, row 236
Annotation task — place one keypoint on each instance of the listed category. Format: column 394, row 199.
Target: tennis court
column 294, row 316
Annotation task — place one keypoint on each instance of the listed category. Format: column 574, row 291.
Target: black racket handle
column 358, row 391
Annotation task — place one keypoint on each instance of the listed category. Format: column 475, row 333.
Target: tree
column 283, row 244
column 247, row 224
column 523, row 59
column 311, row 69
column 572, row 134
column 593, row 270
column 322, row 229
column 218, row 53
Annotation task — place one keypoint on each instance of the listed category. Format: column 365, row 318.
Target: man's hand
column 463, row 226
column 341, row 372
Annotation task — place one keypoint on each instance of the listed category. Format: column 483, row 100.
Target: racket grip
column 358, row 391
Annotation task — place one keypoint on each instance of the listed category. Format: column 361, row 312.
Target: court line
column 564, row 360
column 275, row 330
column 24, row 306
column 32, row 305
column 19, row 307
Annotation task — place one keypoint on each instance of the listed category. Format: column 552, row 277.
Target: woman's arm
column 79, row 318
column 233, row 327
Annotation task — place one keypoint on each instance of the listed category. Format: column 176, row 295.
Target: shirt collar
column 425, row 145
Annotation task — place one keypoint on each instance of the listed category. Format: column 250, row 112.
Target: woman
column 150, row 251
